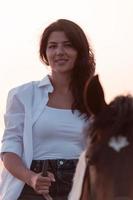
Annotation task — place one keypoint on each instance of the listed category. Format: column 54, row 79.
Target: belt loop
column 37, row 167
column 44, row 167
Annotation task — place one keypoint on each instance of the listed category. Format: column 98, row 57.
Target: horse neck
column 112, row 175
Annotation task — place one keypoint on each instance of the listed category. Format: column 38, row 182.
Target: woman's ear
column 94, row 96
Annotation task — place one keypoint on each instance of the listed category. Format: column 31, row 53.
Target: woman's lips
column 61, row 61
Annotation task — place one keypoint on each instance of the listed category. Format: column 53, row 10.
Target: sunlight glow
column 108, row 25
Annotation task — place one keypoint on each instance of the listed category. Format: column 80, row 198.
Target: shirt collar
column 46, row 82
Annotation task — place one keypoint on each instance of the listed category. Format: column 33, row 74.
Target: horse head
column 108, row 156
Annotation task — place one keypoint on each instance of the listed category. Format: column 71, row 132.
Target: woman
column 45, row 119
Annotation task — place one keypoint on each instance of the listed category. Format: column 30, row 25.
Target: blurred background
column 108, row 25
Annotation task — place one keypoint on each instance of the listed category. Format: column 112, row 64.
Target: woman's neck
column 60, row 82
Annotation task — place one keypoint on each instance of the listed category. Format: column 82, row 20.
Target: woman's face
column 61, row 55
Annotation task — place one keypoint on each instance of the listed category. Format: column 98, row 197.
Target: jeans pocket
column 66, row 176
column 63, row 182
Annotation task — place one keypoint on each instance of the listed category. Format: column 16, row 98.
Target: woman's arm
column 12, row 146
column 12, row 140
column 14, row 164
column 17, row 168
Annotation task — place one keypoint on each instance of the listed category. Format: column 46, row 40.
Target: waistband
column 50, row 165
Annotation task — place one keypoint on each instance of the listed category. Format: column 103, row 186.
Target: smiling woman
column 60, row 53
column 44, row 120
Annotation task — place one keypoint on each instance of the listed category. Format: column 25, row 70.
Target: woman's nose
column 60, row 50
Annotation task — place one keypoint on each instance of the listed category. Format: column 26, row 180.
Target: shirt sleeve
column 12, row 140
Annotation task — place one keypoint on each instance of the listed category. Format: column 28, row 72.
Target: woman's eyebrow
column 50, row 42
column 53, row 42
column 67, row 41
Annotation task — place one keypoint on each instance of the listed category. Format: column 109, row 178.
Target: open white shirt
column 24, row 106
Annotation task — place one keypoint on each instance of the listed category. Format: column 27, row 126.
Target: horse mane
column 116, row 119
column 109, row 145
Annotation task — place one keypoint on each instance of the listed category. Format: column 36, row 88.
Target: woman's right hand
column 40, row 183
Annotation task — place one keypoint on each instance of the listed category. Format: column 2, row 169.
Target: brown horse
column 105, row 169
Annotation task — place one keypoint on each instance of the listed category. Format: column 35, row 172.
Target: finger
column 42, row 179
column 51, row 176
column 42, row 187
column 43, row 192
column 43, row 182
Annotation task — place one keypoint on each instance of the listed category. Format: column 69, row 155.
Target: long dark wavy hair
column 85, row 64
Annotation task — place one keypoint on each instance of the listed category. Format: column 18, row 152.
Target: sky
column 108, row 25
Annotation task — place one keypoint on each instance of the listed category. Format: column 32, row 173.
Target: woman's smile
column 61, row 55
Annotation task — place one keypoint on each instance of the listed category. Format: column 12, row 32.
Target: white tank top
column 58, row 134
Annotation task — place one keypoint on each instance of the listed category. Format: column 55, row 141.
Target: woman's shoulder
column 29, row 87
column 23, row 87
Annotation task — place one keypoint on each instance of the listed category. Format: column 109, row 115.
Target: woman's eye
column 68, row 45
column 52, row 46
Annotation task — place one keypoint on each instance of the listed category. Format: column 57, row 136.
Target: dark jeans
column 63, row 171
